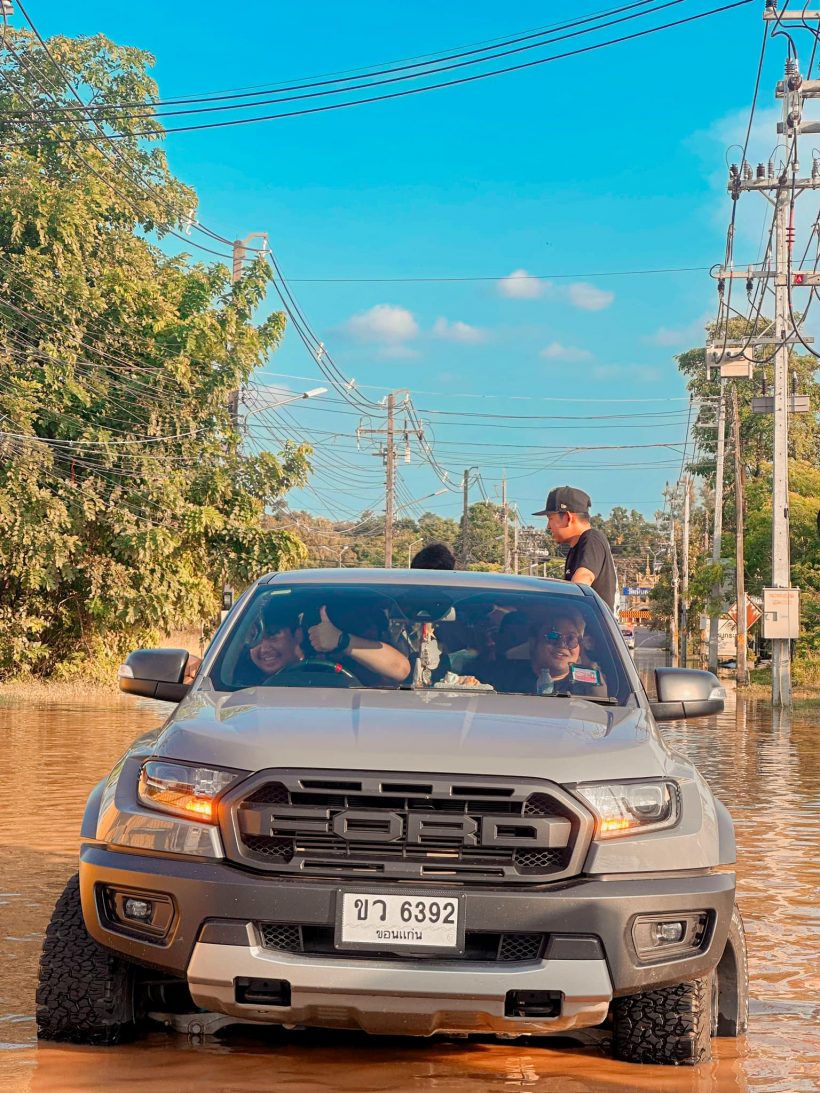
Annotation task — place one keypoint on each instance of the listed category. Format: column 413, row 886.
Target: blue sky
column 614, row 160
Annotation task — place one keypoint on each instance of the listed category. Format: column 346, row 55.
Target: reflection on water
column 766, row 769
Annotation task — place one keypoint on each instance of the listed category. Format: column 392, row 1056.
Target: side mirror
column 155, row 673
column 685, row 693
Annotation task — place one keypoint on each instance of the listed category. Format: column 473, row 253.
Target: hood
column 560, row 739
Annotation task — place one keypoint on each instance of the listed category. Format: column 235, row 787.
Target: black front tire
column 85, row 994
column 732, row 982
column 668, row 1025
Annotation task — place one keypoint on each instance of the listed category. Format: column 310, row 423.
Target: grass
column 805, row 677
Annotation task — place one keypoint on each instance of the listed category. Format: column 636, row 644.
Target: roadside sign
column 636, row 615
column 636, row 591
column 753, row 613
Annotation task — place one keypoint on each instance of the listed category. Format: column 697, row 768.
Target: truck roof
column 445, row 578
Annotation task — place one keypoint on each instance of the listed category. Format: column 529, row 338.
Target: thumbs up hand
column 324, row 636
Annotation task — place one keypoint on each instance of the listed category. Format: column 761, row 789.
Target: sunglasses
column 572, row 641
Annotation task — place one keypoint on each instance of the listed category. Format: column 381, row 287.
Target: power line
column 432, row 67
column 429, row 279
column 420, row 90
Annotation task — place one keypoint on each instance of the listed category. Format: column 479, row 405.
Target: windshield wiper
column 600, row 701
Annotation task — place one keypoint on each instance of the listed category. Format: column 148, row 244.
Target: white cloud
column 680, row 337
column 555, row 351
column 384, row 324
column 520, row 285
column 640, row 372
column 588, row 297
column 458, row 331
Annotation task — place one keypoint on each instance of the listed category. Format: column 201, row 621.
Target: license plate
column 373, row 920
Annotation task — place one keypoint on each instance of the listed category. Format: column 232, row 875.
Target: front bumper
column 213, row 940
column 409, row 999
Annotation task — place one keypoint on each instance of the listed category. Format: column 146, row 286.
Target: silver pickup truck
column 411, row 803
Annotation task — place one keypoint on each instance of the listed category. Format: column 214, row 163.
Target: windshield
column 437, row 637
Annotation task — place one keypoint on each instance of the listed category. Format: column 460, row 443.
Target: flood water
column 765, row 768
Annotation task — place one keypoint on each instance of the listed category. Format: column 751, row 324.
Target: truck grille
column 394, row 826
column 478, row 945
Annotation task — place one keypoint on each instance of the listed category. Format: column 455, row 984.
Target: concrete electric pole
column 239, row 248
column 673, row 628
column 714, row 620
column 506, row 518
column 741, row 670
column 781, row 188
column 389, row 481
column 388, row 453
column 465, row 519
column 684, row 595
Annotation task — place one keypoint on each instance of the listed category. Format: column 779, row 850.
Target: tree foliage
column 756, row 439
column 361, row 542
column 125, row 496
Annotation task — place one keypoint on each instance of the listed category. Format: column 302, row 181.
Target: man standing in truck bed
column 589, row 560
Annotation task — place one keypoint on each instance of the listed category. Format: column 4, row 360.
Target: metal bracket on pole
column 772, row 15
column 764, row 404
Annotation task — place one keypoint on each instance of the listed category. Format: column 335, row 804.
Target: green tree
column 485, row 536
column 125, row 496
column 633, row 540
column 756, row 449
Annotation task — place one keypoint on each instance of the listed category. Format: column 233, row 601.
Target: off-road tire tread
column 85, row 994
column 669, row 1025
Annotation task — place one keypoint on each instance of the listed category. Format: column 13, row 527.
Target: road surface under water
column 766, row 769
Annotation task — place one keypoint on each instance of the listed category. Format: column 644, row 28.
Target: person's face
column 557, row 646
column 559, row 526
column 276, row 650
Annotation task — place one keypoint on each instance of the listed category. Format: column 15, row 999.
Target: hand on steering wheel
column 314, row 664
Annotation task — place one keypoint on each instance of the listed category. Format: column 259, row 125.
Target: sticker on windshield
column 579, row 674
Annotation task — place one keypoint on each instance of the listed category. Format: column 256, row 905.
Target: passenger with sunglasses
column 557, row 664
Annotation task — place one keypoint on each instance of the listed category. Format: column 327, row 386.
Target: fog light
column 141, row 910
column 668, row 933
column 658, row 938
column 150, row 915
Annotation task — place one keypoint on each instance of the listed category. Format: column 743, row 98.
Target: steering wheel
column 303, row 672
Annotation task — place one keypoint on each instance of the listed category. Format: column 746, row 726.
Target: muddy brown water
column 765, row 767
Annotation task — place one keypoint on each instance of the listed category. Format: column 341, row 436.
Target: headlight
column 184, row 790
column 628, row 808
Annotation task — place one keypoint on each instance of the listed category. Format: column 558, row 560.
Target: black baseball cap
column 566, row 499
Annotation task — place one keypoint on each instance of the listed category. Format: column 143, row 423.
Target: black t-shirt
column 518, row 677
column 592, row 552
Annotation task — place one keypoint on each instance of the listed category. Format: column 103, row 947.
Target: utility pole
column 714, row 620
column 515, row 544
column 465, row 520
column 684, row 627
column 741, row 670
column 781, row 562
column 235, row 397
column 389, row 480
column 675, row 602
column 239, row 249
column 387, row 451
column 781, row 188
column 506, row 518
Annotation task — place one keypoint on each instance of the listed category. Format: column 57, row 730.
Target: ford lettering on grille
column 370, row 825
column 427, row 827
